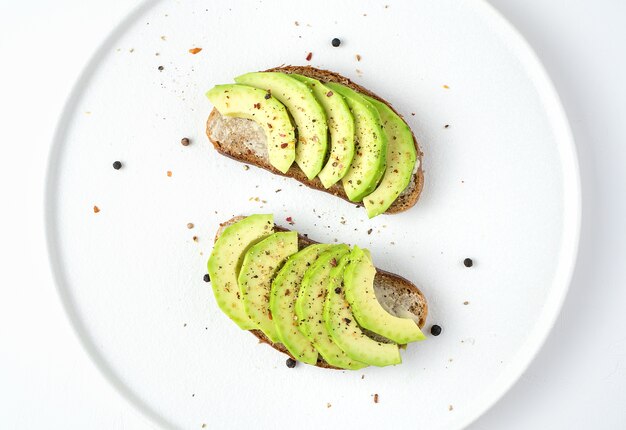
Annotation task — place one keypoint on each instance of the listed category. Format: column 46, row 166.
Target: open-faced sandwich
column 322, row 304
column 323, row 130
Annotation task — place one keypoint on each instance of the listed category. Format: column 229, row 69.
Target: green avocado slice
column 401, row 158
column 370, row 151
column 243, row 101
column 340, row 127
column 358, row 281
column 260, row 265
column 285, row 288
column 307, row 113
column 343, row 328
column 310, row 309
column 226, row 259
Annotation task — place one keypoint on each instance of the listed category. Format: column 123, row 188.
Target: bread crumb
column 358, row 57
column 466, row 302
column 450, row 407
column 190, row 225
column 328, row 405
column 169, row 173
column 96, row 209
column 375, row 398
column 194, row 51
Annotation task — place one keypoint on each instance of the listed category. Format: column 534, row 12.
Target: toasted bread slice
column 244, row 140
column 397, row 295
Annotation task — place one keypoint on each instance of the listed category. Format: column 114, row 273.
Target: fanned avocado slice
column 358, row 281
column 226, row 259
column 370, row 152
column 307, row 113
column 310, row 309
column 285, row 288
column 343, row 328
column 260, row 265
column 401, row 157
column 340, row 127
column 244, row 101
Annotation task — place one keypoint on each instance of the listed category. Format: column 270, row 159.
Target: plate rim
column 564, row 269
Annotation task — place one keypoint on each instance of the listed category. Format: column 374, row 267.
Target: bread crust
column 239, row 152
column 419, row 309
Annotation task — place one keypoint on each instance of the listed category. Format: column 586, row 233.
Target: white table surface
column 578, row 380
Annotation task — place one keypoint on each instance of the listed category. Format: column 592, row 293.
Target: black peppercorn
column 435, row 330
column 207, row 278
column 291, row 363
column 468, row 262
column 336, row 42
column 117, row 165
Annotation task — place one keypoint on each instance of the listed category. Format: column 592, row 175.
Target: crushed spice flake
column 278, row 190
column 160, row 68
column 329, row 94
column 163, row 38
column 363, row 376
column 412, row 113
column 446, row 126
column 169, row 173
column 96, row 209
column 246, row 167
column 369, row 231
column 283, row 145
column 257, row 105
column 328, row 405
column 290, row 220
column 195, row 238
column 309, row 56
column 194, row 51
column 184, row 141
column 358, row 57
column 466, row 303
column 450, row 407
column 446, row 87
column 296, row 23
column 333, row 262
column 376, row 398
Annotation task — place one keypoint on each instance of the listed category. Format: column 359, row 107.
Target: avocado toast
column 364, row 152
column 324, row 290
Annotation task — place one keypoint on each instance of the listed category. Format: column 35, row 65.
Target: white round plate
column 501, row 188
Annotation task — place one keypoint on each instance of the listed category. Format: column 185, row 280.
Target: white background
column 46, row 379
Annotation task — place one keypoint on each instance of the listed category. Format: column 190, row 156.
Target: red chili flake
column 269, row 125
column 169, row 173
column 329, row 94
column 257, row 105
column 282, row 134
column 96, row 209
column 194, row 51
column 309, row 56
column 283, row 145
column 289, row 220
column 333, row 262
